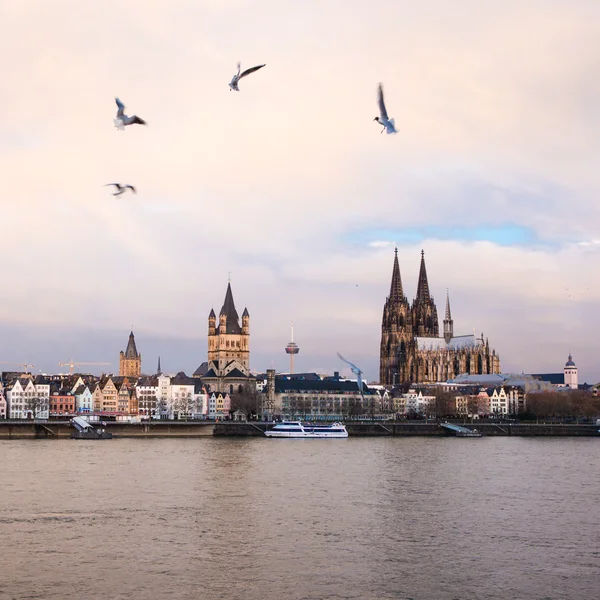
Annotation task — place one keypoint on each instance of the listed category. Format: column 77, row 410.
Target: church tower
column 130, row 361
column 396, row 332
column 448, row 322
column 227, row 341
column 570, row 372
column 424, row 312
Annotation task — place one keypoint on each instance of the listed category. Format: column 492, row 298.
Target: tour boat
column 295, row 429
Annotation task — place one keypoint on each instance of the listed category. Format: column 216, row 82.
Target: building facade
column 570, row 371
column 130, row 361
column 411, row 349
column 228, row 366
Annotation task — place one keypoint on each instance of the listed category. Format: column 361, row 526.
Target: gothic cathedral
column 411, row 349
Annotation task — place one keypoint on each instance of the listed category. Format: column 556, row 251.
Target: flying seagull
column 388, row 124
column 233, row 84
column 357, row 372
column 121, row 189
column 123, row 120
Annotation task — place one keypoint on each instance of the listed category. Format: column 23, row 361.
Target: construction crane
column 24, row 366
column 72, row 364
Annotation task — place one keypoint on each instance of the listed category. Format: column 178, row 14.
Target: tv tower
column 292, row 349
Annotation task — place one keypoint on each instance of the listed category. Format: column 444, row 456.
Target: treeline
column 561, row 405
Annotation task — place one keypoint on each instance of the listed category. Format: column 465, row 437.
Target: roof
column 201, row 370
column 228, row 310
column 182, row 379
column 553, row 378
column 131, row 351
column 570, row 362
column 283, row 384
column 456, row 343
column 235, row 374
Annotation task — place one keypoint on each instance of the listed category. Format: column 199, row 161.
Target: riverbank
column 15, row 430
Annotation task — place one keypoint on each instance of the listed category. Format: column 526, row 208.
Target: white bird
column 123, row 120
column 121, row 189
column 357, row 372
column 388, row 124
column 233, row 84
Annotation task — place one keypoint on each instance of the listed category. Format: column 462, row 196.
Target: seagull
column 357, row 372
column 233, row 84
column 123, row 120
column 121, row 189
column 388, row 124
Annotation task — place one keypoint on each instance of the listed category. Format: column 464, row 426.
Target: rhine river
column 261, row 519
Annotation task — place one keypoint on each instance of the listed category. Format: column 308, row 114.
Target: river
column 418, row 518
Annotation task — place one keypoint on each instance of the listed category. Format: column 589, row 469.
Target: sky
column 288, row 187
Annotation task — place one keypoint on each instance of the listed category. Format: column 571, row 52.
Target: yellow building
column 130, row 362
column 228, row 365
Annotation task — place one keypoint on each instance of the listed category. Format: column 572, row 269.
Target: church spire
column 448, row 322
column 396, row 292
column 448, row 315
column 131, row 351
column 159, row 370
column 423, row 285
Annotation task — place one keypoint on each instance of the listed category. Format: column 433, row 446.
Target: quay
column 16, row 430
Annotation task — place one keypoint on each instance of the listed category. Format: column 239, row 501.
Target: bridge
column 461, row 431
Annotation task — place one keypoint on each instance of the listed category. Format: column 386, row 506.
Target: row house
column 84, row 399
column 26, row 400
column 412, row 402
column 62, row 403
column 218, row 405
column 505, row 401
column 146, row 391
column 3, row 403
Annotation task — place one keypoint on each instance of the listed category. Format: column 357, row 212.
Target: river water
column 431, row 519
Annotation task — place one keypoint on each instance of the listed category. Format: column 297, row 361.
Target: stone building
column 411, row 349
column 228, row 365
column 130, row 361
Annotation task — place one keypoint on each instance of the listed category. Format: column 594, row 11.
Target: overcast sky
column 289, row 185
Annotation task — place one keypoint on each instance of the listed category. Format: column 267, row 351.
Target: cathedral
column 411, row 349
column 228, row 365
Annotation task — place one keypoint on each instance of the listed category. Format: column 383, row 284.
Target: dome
column 570, row 362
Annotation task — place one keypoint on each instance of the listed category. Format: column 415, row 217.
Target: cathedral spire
column 448, row 322
column 159, row 370
column 396, row 292
column 448, row 315
column 423, row 285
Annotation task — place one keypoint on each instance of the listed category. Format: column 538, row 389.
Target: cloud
column 288, row 184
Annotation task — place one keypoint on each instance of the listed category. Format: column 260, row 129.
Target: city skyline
column 295, row 192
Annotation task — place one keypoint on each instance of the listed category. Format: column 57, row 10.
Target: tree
column 36, row 406
column 184, row 405
column 247, row 400
column 444, row 403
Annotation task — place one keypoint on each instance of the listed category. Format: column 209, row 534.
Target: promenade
column 180, row 429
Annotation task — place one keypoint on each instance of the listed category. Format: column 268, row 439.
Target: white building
column 415, row 402
column 24, row 402
column 570, row 371
column 84, row 399
column 147, row 391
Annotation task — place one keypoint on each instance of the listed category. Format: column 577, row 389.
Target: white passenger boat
column 295, row 429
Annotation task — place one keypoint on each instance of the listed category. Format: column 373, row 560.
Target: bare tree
column 183, row 405
column 444, row 404
column 247, row 399
column 36, row 406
